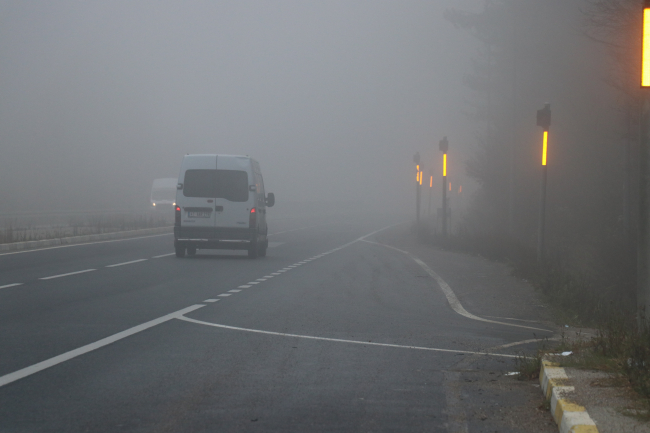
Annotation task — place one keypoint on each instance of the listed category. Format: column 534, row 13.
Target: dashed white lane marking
column 126, row 263
column 275, row 273
column 261, row 279
column 65, row 275
column 291, row 266
column 253, row 282
column 453, row 301
column 268, row 276
column 86, row 243
column 243, row 287
column 6, row 286
column 163, row 255
column 234, row 291
column 211, row 300
column 28, row 371
column 283, row 270
column 225, row 294
column 338, row 340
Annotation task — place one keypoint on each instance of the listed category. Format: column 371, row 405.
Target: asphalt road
column 330, row 332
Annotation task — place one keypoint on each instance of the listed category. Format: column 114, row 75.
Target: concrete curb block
column 20, row 246
column 570, row 417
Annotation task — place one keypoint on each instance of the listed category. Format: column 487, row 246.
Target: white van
column 220, row 204
column 163, row 193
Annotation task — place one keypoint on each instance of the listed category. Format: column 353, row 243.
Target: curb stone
column 570, row 417
column 20, row 246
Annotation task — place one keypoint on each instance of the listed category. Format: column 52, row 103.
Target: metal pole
column 643, row 255
column 542, row 219
column 444, row 206
column 417, row 206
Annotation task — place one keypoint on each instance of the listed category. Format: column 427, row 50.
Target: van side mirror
column 270, row 199
column 179, row 186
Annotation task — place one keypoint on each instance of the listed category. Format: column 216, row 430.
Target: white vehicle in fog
column 221, row 204
column 163, row 192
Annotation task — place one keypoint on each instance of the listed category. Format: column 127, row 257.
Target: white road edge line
column 80, row 245
column 127, row 263
column 163, row 255
column 338, row 340
column 453, row 301
column 6, row 286
column 65, row 275
column 32, row 369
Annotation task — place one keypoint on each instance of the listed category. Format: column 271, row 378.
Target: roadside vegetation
column 589, row 273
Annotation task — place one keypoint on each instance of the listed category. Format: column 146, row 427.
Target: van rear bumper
column 214, row 237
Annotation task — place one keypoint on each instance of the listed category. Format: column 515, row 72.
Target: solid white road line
column 338, row 340
column 126, row 263
column 6, row 286
column 163, row 255
column 28, row 371
column 453, row 301
column 80, row 245
column 69, row 273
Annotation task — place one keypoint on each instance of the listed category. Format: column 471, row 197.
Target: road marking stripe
column 126, row 263
column 339, row 340
column 65, row 275
column 28, row 371
column 11, row 285
column 453, row 301
column 261, row 279
column 163, row 255
column 224, row 294
column 234, row 291
column 253, row 282
column 211, row 300
column 243, row 287
column 85, row 243
column 268, row 276
column 275, row 273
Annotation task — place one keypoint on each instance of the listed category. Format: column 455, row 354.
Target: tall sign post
column 418, row 183
column 543, row 120
column 444, row 148
column 643, row 236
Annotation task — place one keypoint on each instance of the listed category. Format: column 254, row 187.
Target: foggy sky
column 333, row 98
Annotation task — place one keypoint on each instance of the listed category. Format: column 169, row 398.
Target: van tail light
column 252, row 221
column 177, row 216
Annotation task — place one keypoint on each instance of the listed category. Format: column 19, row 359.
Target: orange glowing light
column 545, row 145
column 431, row 182
column 421, row 178
column 460, row 189
column 645, row 62
column 444, row 165
column 449, row 186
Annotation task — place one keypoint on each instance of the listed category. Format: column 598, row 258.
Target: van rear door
column 197, row 203
column 234, row 199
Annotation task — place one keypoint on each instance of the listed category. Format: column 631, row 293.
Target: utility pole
column 543, row 120
column 444, row 148
column 418, row 182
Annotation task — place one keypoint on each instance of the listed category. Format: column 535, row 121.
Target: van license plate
column 198, row 214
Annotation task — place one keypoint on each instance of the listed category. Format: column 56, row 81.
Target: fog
column 332, row 98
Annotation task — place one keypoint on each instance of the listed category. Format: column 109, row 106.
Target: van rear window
column 229, row 184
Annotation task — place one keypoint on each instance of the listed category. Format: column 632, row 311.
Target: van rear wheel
column 253, row 250
column 180, row 251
